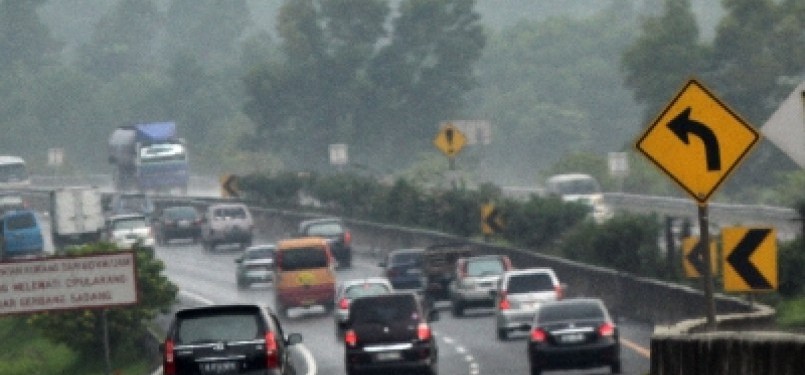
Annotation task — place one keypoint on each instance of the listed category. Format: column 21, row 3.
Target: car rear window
column 132, row 223
column 406, row 258
column 368, row 289
column 217, row 327
column 181, row 213
column 384, row 310
column 484, row 267
column 260, row 254
column 533, row 282
column 325, row 229
column 230, row 213
column 570, row 311
column 303, row 258
column 21, row 221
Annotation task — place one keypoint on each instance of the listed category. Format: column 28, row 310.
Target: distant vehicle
column 573, row 334
column 519, row 294
column 334, row 230
column 227, row 223
column 355, row 288
column 11, row 201
column 304, row 274
column 149, row 158
column 227, row 339
column 439, row 268
column 388, row 332
column 403, row 268
column 182, row 222
column 582, row 188
column 129, row 230
column 21, row 235
column 13, row 173
column 255, row 265
column 475, row 278
column 132, row 203
column 76, row 216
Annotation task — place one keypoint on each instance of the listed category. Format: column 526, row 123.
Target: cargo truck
column 76, row 216
column 149, row 158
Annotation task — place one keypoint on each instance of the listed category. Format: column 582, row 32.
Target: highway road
column 467, row 345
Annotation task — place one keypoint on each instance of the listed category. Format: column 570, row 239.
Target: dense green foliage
column 81, row 330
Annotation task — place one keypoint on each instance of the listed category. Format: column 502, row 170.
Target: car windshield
column 484, row 267
column 325, row 229
column 260, row 253
column 138, row 203
column 570, row 311
column 384, row 310
column 129, row 223
column 180, row 213
column 406, row 258
column 532, row 282
column 366, row 289
column 303, row 258
column 21, row 221
column 219, row 327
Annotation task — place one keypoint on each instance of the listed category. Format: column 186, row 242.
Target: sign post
column 698, row 141
column 449, row 140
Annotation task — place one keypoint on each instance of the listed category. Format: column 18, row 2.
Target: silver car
column 255, row 265
column 128, row 230
column 519, row 294
column 227, row 223
column 351, row 289
column 475, row 278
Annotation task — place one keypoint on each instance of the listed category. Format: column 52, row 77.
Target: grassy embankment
column 24, row 352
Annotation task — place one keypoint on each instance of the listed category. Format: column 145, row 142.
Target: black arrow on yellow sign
column 229, row 184
column 696, row 257
column 739, row 259
column 682, row 125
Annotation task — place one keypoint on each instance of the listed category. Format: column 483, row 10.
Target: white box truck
column 76, row 216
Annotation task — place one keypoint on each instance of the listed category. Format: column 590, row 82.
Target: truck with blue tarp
column 149, row 157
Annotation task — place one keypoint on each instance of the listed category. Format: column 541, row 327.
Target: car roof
column 402, row 251
column 528, row 271
column 293, row 243
column 127, row 216
column 235, row 307
column 369, row 280
column 265, row 246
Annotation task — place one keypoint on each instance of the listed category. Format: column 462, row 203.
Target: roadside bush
column 791, row 263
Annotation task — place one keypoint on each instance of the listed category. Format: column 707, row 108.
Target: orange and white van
column 304, row 274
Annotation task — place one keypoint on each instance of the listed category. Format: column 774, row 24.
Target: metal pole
column 704, row 228
column 452, row 173
column 106, row 351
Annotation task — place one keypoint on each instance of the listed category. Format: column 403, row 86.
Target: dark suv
column 390, row 332
column 227, row 340
column 335, row 232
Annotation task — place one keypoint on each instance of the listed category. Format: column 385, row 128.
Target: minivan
column 304, row 274
column 21, row 235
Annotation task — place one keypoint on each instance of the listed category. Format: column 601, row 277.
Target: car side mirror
column 294, row 338
column 433, row 315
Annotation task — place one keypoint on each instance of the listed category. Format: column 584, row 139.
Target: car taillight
column 538, row 335
column 351, row 338
column 423, row 332
column 343, row 304
column 606, row 330
column 347, row 238
column 169, row 365
column 507, row 263
column 504, row 303
column 272, row 356
column 560, row 293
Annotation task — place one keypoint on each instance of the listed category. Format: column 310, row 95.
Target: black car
column 174, row 222
column 403, row 268
column 334, row 230
column 244, row 339
column 389, row 332
column 573, row 334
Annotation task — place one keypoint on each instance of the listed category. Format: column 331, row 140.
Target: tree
column 24, row 39
column 344, row 78
column 666, row 54
column 80, row 329
column 123, row 40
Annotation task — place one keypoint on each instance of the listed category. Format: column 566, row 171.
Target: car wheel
column 615, row 367
column 536, row 370
column 503, row 334
column 458, row 308
column 352, row 371
column 432, row 370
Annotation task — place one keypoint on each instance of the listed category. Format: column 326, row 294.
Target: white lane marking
column 473, row 365
column 311, row 362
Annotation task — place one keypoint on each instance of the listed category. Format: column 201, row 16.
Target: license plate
column 308, row 302
column 219, row 368
column 388, row 356
column 571, row 338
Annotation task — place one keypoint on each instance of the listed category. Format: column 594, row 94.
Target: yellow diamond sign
column 698, row 141
column 450, row 140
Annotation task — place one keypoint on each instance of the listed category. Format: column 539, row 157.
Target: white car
column 518, row 295
column 128, row 230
